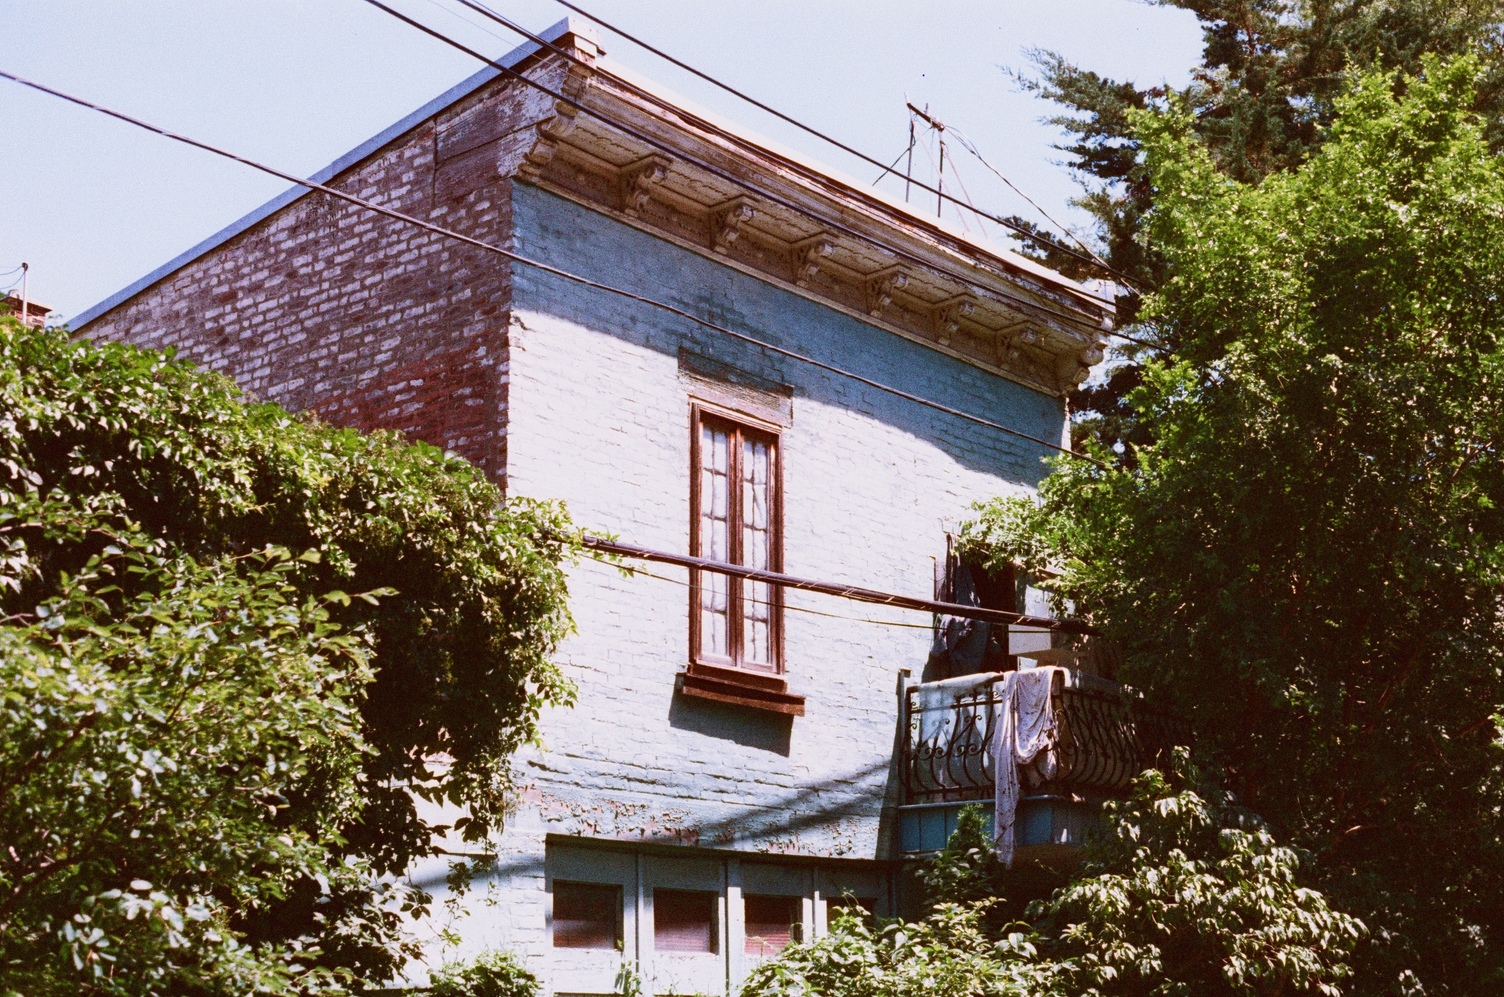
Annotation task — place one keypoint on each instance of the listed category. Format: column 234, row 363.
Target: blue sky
column 93, row 204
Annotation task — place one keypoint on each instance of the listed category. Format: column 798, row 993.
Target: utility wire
column 544, row 267
column 633, row 570
column 1092, row 258
column 663, row 147
column 966, row 143
column 885, row 172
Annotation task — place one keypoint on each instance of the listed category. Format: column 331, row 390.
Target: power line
column 855, row 593
column 662, row 147
column 890, row 168
column 1092, row 259
column 829, row 223
column 544, row 267
column 970, row 147
column 634, row 571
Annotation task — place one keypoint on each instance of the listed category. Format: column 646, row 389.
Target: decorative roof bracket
column 638, row 180
column 880, row 288
column 726, row 221
column 809, row 256
column 948, row 316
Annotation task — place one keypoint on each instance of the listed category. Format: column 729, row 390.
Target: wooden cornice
column 770, row 214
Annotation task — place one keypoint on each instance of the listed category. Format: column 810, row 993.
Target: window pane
column 757, row 551
column 587, row 916
column 715, row 540
column 684, row 921
column 772, row 922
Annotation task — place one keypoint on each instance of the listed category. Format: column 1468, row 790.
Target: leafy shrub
column 967, row 869
column 1185, row 894
column 493, row 974
column 949, row 954
column 230, row 640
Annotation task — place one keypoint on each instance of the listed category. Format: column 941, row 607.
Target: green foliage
column 949, row 954
column 151, row 748
column 493, row 974
column 967, row 869
column 209, row 749
column 1013, row 530
column 1184, row 894
column 1187, row 893
column 1308, row 560
column 1271, row 76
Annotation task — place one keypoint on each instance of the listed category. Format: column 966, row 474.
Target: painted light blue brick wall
column 599, row 418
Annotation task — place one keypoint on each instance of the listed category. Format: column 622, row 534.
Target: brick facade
column 365, row 320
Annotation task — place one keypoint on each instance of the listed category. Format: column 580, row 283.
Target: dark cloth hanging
column 962, row 646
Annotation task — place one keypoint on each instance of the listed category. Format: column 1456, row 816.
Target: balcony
column 1103, row 740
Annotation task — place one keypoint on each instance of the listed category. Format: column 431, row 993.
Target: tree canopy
column 237, row 647
column 1307, row 560
column 1260, row 102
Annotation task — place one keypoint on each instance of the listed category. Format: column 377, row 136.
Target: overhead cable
column 546, row 268
column 635, row 572
column 1022, row 304
column 853, row 592
column 1093, row 259
column 970, row 147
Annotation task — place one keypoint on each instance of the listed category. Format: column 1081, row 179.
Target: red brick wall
column 365, row 320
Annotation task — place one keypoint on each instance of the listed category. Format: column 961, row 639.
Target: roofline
column 567, row 26
column 953, row 230
column 386, row 136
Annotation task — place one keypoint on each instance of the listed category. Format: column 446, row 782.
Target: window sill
column 754, row 690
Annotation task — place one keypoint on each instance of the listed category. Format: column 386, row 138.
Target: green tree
column 1260, row 102
column 1307, row 562
column 211, row 753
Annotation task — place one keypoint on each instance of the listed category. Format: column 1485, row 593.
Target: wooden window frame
column 742, row 425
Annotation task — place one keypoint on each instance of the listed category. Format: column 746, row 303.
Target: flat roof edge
column 371, row 145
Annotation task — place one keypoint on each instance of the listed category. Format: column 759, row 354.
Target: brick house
column 736, row 763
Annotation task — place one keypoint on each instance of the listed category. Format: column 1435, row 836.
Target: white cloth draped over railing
column 1024, row 737
column 997, row 727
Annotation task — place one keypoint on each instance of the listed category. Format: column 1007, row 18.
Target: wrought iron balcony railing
column 1103, row 740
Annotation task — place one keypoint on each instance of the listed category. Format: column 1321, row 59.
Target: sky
column 92, row 204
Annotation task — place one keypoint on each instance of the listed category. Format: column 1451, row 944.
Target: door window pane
column 771, row 923
column 757, row 548
column 587, row 916
column 715, row 540
column 684, row 921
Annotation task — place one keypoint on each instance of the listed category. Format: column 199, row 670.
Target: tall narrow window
column 736, row 621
